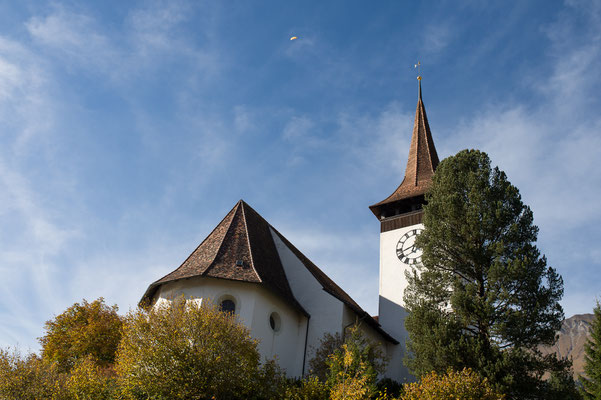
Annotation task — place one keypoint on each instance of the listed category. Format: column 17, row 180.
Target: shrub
column 353, row 369
column 310, row 388
column 29, row 378
column 89, row 381
column 328, row 344
column 464, row 385
column 186, row 351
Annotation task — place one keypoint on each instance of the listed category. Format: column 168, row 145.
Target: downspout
column 357, row 321
column 305, row 352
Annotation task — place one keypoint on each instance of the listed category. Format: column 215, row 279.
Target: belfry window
column 228, row 306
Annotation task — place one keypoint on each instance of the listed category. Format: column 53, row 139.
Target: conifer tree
column 591, row 384
column 484, row 297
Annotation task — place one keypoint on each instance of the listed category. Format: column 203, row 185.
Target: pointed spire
column 421, row 163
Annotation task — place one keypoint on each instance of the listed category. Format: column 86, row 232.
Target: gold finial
column 419, row 80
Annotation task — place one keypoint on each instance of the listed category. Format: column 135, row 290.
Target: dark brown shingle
column 421, row 163
column 243, row 235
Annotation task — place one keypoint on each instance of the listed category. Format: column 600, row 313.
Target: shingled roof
column 421, row 163
column 243, row 235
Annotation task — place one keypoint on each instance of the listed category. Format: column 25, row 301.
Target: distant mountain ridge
column 573, row 335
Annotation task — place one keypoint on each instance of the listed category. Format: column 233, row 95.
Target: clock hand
column 409, row 249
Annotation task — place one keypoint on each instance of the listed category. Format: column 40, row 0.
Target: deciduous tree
column 184, row 350
column 353, row 369
column 86, row 329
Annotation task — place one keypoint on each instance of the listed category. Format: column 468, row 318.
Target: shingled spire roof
column 421, row 163
column 240, row 248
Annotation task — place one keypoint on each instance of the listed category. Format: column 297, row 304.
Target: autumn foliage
column 185, row 350
column 82, row 330
column 463, row 385
column 28, row 377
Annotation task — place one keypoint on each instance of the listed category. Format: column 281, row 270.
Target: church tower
column 400, row 216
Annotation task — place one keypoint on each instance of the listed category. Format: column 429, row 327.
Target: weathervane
column 418, row 66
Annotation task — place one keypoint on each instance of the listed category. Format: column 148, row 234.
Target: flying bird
column 293, row 38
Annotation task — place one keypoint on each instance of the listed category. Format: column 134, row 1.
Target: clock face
column 406, row 250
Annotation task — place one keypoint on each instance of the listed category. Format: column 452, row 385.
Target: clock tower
column 400, row 216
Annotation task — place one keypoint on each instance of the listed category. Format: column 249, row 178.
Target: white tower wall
column 391, row 311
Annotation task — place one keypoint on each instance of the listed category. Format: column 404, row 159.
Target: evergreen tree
column 591, row 384
column 484, row 297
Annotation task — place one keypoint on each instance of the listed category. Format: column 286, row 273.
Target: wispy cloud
column 436, row 37
column 75, row 38
column 549, row 150
column 141, row 43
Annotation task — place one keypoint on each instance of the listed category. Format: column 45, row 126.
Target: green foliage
column 328, row 344
column 83, row 329
column 186, row 351
column 310, row 388
column 270, row 383
column 389, row 388
column 561, row 385
column 29, row 378
column 484, row 297
column 464, row 385
column 591, row 383
column 353, row 369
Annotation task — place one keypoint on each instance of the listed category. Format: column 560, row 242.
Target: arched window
column 227, row 305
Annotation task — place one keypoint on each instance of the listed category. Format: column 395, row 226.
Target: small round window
column 228, row 306
column 275, row 322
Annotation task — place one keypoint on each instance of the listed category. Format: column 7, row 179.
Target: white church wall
column 287, row 340
column 254, row 305
column 326, row 310
column 202, row 289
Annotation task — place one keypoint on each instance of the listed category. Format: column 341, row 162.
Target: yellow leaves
column 89, row 381
column 28, row 377
column 348, row 356
column 81, row 330
column 192, row 351
column 354, row 381
column 463, row 385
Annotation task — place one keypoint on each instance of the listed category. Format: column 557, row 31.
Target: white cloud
column 298, row 128
column 436, row 37
column 244, row 119
column 550, row 151
column 147, row 38
column 75, row 38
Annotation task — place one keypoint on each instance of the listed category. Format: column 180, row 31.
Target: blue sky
column 129, row 129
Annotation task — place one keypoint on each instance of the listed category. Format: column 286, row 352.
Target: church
column 248, row 267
